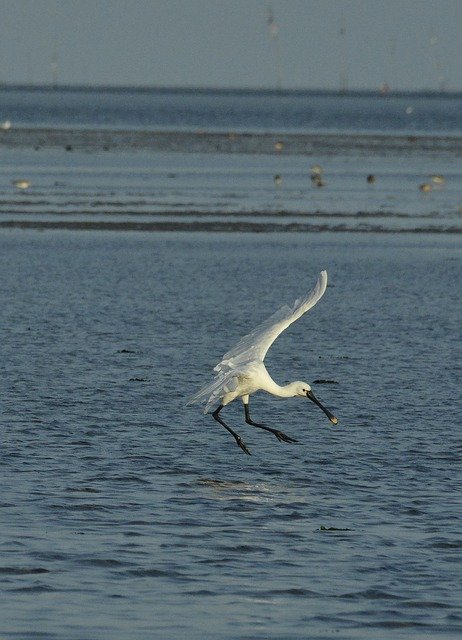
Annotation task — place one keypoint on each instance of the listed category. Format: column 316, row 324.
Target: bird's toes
column 243, row 446
column 283, row 438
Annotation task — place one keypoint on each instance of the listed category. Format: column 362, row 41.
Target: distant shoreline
column 162, row 89
column 85, row 139
column 216, row 226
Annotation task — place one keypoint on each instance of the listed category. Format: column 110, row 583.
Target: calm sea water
column 242, row 111
column 125, row 514
column 153, row 160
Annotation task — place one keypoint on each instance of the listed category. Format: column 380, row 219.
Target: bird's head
column 303, row 389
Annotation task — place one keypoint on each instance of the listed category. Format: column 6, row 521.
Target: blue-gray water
column 225, row 110
column 125, row 514
column 230, row 160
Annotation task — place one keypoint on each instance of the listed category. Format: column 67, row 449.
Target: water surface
column 230, row 160
column 126, row 514
column 152, row 109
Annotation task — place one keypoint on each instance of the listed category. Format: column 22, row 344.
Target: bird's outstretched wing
column 254, row 346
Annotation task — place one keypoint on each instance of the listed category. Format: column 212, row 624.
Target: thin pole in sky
column 391, row 80
column 343, row 55
column 54, row 69
column 274, row 35
column 436, row 63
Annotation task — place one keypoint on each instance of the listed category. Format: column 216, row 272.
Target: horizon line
column 49, row 86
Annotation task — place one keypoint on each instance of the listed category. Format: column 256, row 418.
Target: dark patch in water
column 33, row 589
column 22, row 571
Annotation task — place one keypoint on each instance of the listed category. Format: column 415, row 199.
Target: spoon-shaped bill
column 311, row 396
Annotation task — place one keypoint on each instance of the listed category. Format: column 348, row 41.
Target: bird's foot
column 282, row 436
column 242, row 445
column 279, row 434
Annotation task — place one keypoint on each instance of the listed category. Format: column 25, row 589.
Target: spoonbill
column 242, row 372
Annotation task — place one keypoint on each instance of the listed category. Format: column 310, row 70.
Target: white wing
column 223, row 383
column 254, row 346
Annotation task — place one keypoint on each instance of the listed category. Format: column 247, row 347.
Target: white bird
column 241, row 372
column 22, row 184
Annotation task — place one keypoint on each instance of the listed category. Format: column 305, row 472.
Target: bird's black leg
column 279, row 434
column 238, row 439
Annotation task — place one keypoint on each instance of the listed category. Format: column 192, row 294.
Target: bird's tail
column 201, row 395
column 214, row 391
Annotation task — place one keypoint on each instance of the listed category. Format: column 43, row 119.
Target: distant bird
column 425, row 187
column 241, row 372
column 277, row 179
column 370, row 178
column 437, row 179
column 22, row 184
column 278, row 146
column 316, row 175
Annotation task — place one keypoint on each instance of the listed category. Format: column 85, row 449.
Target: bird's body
column 242, row 372
column 253, row 378
column 22, row 184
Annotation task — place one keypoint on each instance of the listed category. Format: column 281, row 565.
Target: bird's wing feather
column 223, row 383
column 254, row 346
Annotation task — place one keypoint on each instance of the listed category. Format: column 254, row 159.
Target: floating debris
column 138, row 380
column 278, row 146
column 125, row 351
column 323, row 528
column 438, row 179
column 321, row 381
column 5, row 125
column 22, row 184
column 370, row 178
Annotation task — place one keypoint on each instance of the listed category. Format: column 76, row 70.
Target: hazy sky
column 409, row 44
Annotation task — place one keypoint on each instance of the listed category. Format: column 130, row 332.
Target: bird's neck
column 286, row 391
column 268, row 384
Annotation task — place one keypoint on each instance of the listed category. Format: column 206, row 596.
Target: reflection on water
column 230, row 490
